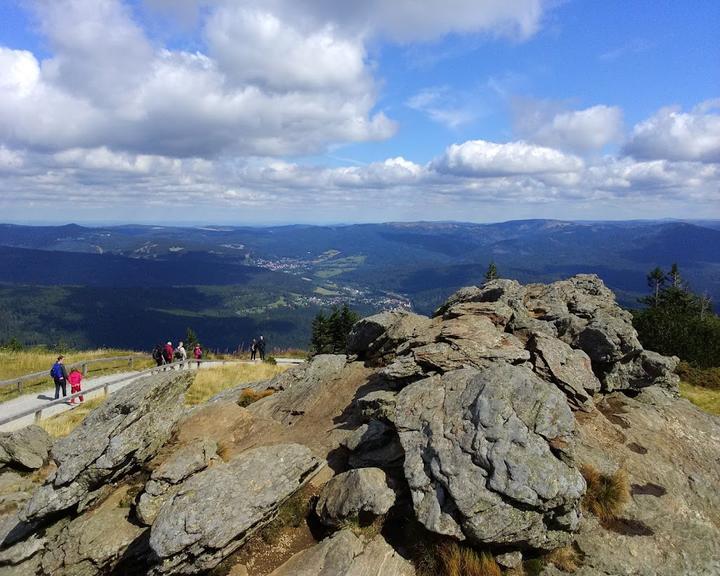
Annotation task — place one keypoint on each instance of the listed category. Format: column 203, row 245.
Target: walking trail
column 116, row 381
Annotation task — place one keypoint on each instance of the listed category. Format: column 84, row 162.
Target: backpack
column 56, row 371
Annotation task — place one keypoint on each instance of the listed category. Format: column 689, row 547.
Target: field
column 705, row 398
column 209, row 382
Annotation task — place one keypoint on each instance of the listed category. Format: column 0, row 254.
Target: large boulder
column 166, row 478
column 115, row 439
column 488, row 456
column 352, row 494
column 26, row 448
column 344, row 554
column 214, row 511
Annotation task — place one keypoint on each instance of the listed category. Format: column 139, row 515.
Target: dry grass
column 214, row 380
column 607, row 494
column 707, row 399
column 62, row 424
column 23, row 362
column 456, row 560
column 566, row 559
column 247, row 397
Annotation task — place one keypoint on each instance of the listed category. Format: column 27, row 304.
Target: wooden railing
column 82, row 365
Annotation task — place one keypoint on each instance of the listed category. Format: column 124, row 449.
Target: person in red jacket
column 168, row 353
column 197, row 354
column 75, row 378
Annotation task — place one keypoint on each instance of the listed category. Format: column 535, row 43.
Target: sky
column 319, row 111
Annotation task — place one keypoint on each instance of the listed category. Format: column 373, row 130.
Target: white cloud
column 478, row 158
column 280, row 91
column 444, row 106
column 574, row 130
column 10, row 159
column 675, row 135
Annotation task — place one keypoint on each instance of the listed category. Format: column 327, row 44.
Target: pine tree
column 190, row 338
column 329, row 333
column 491, row 273
column 656, row 280
column 674, row 276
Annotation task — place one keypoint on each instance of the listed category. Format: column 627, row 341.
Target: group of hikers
column 167, row 354
column 60, row 376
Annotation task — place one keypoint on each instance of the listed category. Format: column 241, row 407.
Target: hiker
column 168, row 353
column 157, row 355
column 75, row 379
column 59, row 375
column 197, row 354
column 253, row 349
column 261, row 348
column 180, row 352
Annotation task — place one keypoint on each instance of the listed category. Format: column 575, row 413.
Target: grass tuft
column 248, row 396
column 62, row 424
column 566, row 559
column 292, row 513
column 703, row 377
column 456, row 560
column 607, row 494
column 211, row 381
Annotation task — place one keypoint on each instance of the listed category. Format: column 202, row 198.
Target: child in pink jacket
column 75, row 378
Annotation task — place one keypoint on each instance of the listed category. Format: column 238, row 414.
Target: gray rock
column 486, row 456
column 212, row 513
column 378, row 404
column 22, row 551
column 94, row 542
column 389, row 455
column 509, row 559
column 299, row 387
column 181, row 464
column 378, row 335
column 570, row 369
column 27, row 448
column 352, row 493
column 115, row 439
column 344, row 554
column 371, row 435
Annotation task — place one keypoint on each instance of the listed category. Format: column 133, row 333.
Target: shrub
column 606, row 494
column 270, row 360
column 292, row 513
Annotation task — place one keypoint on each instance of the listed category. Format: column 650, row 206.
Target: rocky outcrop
column 472, row 423
column 116, row 438
column 355, row 493
column 488, row 456
column 211, row 512
column 26, row 448
column 344, row 554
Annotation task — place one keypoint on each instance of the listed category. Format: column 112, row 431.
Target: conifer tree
column 491, row 273
column 656, row 280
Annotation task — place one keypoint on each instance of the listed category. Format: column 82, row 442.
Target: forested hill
column 133, row 285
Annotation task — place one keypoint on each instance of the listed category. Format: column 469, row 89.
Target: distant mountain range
column 131, row 286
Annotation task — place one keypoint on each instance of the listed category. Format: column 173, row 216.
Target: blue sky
column 318, row 111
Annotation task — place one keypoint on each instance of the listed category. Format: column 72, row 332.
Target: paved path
column 116, row 381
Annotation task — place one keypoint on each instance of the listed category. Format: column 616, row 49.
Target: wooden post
column 106, row 389
column 84, row 369
column 131, row 362
column 20, row 386
column 38, row 415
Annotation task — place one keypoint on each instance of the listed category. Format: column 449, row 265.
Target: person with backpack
column 261, row 348
column 197, row 354
column 59, row 374
column 75, row 379
column 253, row 349
column 157, row 355
column 180, row 352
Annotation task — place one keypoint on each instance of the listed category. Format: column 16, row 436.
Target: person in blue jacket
column 60, row 377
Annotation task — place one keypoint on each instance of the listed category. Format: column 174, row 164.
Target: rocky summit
column 485, row 425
